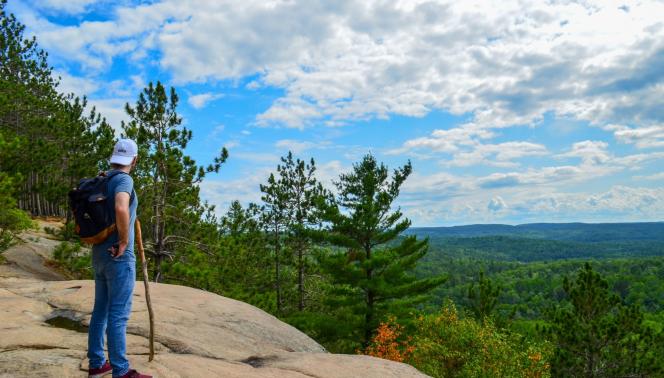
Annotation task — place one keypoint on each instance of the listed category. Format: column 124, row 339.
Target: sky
column 510, row 112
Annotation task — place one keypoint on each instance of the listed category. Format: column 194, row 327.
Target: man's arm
column 121, row 222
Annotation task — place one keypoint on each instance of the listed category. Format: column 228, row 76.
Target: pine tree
column 245, row 271
column 276, row 220
column 27, row 98
column 166, row 178
column 371, row 270
column 25, row 76
column 303, row 190
column 598, row 336
column 484, row 297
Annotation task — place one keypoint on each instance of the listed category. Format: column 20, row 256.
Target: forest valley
column 341, row 264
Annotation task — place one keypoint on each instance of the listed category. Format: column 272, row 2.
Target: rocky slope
column 43, row 325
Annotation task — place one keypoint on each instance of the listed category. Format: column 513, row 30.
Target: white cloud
column 80, row 86
column 590, row 152
column 467, row 147
column 299, row 146
column 442, row 198
column 257, row 157
column 596, row 162
column 199, row 101
column 643, row 137
column 653, row 177
column 92, row 44
column 636, row 161
column 328, row 172
column 624, row 199
column 216, row 132
column 108, row 97
column 434, row 190
column 447, row 141
column 541, row 176
column 499, row 155
column 617, row 203
column 67, row 6
column 246, row 189
column 293, row 145
column 215, row 138
column 355, row 60
column 232, row 144
column 534, row 194
column 496, row 204
column 112, row 109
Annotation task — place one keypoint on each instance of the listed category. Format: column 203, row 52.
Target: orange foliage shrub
column 386, row 343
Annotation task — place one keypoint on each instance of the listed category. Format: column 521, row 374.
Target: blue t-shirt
column 120, row 183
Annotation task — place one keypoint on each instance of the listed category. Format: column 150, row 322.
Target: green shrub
column 66, row 232
column 73, row 260
column 448, row 346
column 12, row 219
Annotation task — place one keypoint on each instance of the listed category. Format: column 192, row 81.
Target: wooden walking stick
column 139, row 239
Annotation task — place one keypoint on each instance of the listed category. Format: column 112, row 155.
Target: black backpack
column 93, row 217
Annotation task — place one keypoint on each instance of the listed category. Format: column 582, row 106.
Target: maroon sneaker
column 135, row 374
column 100, row 372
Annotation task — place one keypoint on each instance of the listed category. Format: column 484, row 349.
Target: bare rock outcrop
column 43, row 325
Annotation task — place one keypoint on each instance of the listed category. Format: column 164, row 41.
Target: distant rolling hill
column 578, row 232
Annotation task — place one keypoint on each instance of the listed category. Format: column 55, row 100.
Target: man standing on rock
column 114, row 266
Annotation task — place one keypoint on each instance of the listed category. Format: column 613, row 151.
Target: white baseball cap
column 124, row 152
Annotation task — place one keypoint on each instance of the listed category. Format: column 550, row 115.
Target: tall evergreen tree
column 25, row 77
column 597, row 336
column 165, row 176
column 276, row 217
column 371, row 271
column 303, row 190
column 245, row 269
column 483, row 297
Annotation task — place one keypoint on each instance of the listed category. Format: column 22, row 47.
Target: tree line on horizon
column 334, row 262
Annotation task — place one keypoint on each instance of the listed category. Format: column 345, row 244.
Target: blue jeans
column 114, row 287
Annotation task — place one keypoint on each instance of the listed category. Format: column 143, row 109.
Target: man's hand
column 117, row 249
